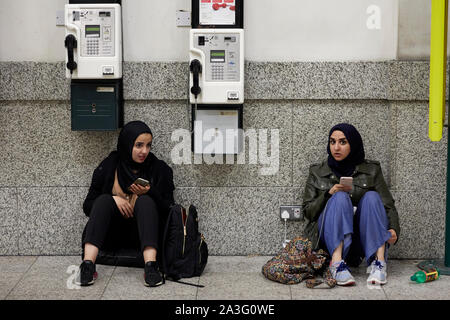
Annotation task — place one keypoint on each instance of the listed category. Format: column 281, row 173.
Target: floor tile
column 12, row 269
column 128, row 284
column 237, row 278
column 53, row 278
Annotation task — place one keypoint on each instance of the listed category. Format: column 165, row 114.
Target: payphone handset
column 93, row 41
column 216, row 66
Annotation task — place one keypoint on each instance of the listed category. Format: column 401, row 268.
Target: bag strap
column 166, row 229
column 182, row 282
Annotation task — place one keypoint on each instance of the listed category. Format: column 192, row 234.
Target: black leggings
column 107, row 228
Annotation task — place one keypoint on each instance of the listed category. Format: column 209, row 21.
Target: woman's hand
column 339, row 187
column 393, row 238
column 138, row 189
column 124, row 207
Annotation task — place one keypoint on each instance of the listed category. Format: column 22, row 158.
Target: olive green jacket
column 366, row 177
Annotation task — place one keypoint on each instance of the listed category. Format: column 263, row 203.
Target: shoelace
column 342, row 267
column 378, row 264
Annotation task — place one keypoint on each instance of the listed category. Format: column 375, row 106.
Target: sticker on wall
column 217, row 12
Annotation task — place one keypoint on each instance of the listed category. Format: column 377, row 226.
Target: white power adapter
column 285, row 216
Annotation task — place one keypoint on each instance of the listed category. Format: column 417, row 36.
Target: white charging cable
column 285, row 217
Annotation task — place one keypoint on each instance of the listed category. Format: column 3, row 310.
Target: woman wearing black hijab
column 123, row 213
column 350, row 222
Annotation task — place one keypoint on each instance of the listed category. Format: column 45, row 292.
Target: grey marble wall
column 45, row 168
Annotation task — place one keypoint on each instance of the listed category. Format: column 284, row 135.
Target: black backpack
column 185, row 252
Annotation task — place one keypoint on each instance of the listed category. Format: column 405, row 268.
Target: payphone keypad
column 222, row 56
column 92, row 47
column 217, row 72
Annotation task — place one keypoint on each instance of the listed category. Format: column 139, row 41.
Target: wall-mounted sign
column 217, row 12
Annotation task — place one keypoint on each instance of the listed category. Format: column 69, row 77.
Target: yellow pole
column 438, row 66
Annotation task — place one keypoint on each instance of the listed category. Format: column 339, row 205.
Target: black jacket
column 161, row 183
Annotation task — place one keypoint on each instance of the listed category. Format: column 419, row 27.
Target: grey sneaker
column 341, row 273
column 378, row 272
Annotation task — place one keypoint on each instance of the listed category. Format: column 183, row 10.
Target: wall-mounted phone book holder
column 217, row 129
column 97, row 105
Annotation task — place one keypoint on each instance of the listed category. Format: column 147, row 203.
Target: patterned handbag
column 297, row 262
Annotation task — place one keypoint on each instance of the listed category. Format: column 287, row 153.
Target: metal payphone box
column 97, row 33
column 94, row 64
column 221, row 55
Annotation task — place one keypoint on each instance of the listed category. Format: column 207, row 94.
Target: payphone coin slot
column 107, row 33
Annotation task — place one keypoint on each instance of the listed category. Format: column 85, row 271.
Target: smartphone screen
column 141, row 182
column 346, row 181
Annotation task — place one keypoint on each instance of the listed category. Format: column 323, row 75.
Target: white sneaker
column 341, row 274
column 378, row 272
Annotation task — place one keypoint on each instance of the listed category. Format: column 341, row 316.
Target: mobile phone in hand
column 346, row 181
column 142, row 182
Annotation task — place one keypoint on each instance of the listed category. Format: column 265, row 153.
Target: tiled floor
column 224, row 278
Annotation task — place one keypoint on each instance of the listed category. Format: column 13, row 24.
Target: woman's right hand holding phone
column 339, row 187
column 124, row 207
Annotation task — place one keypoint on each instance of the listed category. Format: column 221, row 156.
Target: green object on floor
column 425, row 276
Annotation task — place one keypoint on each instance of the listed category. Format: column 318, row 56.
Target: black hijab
column 126, row 165
column 346, row 167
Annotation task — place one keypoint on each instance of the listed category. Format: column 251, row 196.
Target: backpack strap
column 188, row 283
column 166, row 228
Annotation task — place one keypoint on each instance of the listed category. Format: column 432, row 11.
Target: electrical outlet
column 183, row 18
column 291, row 212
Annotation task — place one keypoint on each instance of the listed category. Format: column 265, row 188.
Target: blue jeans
column 362, row 233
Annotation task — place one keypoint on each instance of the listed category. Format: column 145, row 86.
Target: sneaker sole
column 89, row 283
column 346, row 283
column 376, row 282
column 155, row 285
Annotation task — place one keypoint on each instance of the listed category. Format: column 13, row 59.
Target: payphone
column 216, row 65
column 93, row 45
